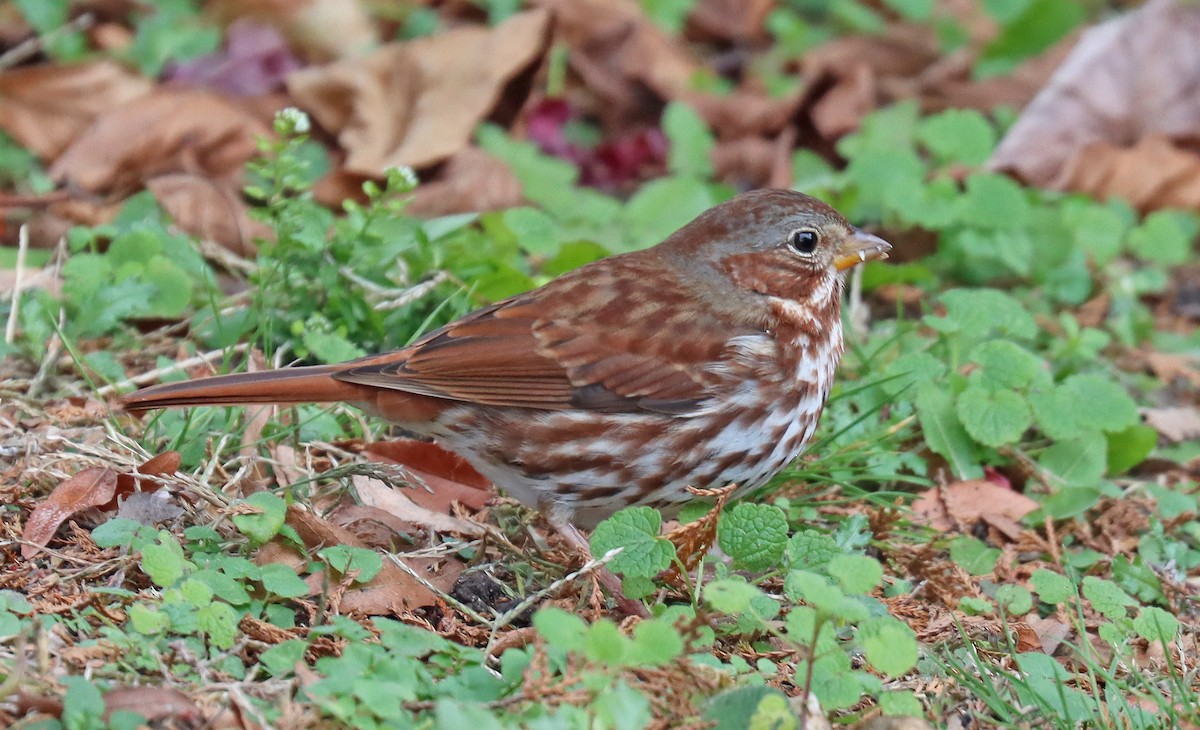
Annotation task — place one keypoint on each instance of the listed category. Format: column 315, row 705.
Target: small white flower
column 407, row 176
column 295, row 119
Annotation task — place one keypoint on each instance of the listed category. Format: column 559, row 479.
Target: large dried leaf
column 170, row 130
column 89, row 488
column 46, row 107
column 418, row 103
column 156, row 704
column 1130, row 79
column 162, row 464
column 1153, row 173
column 729, row 20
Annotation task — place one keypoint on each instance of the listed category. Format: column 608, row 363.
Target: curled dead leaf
column 1153, row 173
column 84, row 490
column 470, row 181
column 156, row 704
column 167, row 462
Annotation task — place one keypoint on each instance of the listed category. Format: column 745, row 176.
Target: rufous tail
column 314, row 384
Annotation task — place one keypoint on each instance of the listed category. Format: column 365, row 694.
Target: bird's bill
column 859, row 247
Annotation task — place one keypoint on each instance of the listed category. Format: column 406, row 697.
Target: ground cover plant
column 995, row 526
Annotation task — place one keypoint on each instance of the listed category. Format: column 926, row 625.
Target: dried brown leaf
column 165, row 463
column 1153, row 173
column 472, row 180
column 375, row 493
column 46, row 107
column 729, row 20
column 418, row 103
column 1127, row 80
column 169, row 130
column 1177, row 424
column 968, row 502
column 1169, row 366
column 86, row 489
column 393, row 591
column 1050, row 632
column 209, row 208
column 618, row 52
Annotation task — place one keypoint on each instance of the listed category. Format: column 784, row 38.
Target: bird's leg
column 608, row 579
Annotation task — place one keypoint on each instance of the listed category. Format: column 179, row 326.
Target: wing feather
column 546, row 352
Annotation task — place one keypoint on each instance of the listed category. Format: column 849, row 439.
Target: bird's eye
column 803, row 241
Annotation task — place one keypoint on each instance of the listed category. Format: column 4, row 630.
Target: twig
column 505, row 618
column 30, row 48
column 10, row 328
column 148, row 377
column 464, row 608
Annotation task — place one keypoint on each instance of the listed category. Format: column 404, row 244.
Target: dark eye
column 803, row 241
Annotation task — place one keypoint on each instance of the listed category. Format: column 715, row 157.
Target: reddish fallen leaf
column 89, row 488
column 165, row 463
column 255, row 60
column 1027, row 639
column 968, row 502
column 440, row 476
column 156, row 704
column 729, row 20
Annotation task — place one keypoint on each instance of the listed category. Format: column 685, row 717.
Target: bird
column 702, row 361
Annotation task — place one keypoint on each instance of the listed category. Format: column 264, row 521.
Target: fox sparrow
column 705, row 360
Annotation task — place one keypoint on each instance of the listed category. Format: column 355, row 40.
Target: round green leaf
column 993, row 418
column 635, row 531
column 754, row 535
